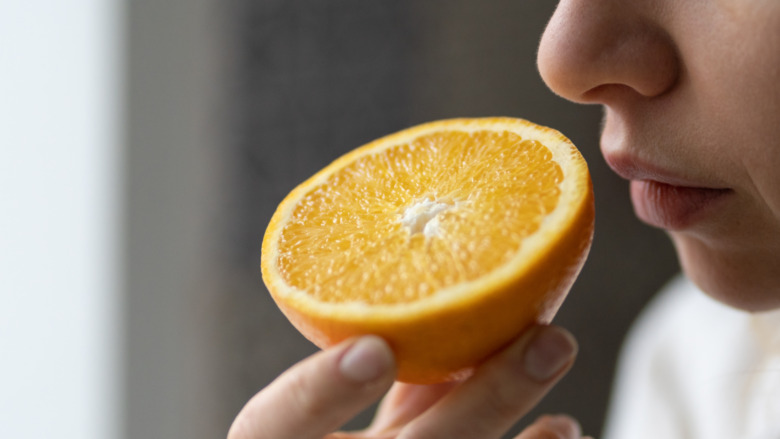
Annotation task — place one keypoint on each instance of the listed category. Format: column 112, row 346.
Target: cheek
column 763, row 165
column 736, row 91
column 753, row 144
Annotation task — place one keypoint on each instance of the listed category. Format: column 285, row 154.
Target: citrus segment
column 447, row 239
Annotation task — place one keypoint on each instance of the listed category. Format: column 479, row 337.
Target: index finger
column 502, row 390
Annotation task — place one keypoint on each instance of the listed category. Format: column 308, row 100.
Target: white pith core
column 423, row 217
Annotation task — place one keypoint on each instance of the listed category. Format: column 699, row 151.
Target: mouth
column 665, row 200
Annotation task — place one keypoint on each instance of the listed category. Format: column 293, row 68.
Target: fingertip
column 552, row 427
column 550, row 350
column 367, row 359
column 564, row 425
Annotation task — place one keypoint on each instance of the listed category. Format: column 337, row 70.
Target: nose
column 593, row 46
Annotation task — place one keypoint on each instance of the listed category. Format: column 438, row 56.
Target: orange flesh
column 445, row 209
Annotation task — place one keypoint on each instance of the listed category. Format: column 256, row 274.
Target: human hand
column 318, row 395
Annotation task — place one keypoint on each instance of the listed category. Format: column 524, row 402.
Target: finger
column 552, row 427
column 319, row 394
column 502, row 390
column 405, row 402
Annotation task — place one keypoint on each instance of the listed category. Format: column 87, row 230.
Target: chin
column 745, row 279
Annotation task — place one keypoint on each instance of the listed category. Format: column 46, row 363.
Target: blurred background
column 144, row 146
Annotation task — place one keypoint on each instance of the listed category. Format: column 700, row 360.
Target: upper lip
column 633, row 168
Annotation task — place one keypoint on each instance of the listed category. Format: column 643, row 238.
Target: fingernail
column 366, row 360
column 550, row 350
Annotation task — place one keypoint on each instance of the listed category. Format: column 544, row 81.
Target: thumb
column 319, row 394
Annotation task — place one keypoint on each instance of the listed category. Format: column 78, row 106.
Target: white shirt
column 694, row 368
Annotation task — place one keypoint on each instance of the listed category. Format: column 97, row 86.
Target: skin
column 689, row 88
column 313, row 398
column 690, row 91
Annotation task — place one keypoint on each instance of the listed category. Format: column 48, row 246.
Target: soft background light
column 59, row 247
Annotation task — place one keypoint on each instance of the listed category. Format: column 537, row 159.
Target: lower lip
column 673, row 207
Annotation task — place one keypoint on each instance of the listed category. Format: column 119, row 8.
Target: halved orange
column 446, row 239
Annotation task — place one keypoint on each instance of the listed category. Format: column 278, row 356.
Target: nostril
column 609, row 94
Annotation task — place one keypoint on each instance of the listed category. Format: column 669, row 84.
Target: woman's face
column 691, row 92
